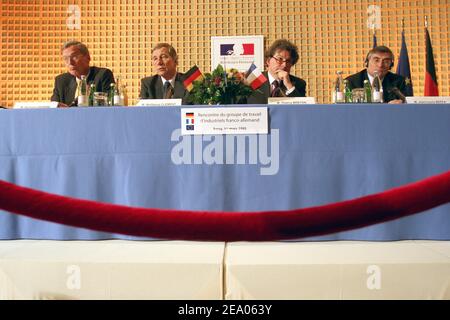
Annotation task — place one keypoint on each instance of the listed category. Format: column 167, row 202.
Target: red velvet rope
column 228, row 226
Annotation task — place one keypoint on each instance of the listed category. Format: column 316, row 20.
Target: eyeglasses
column 280, row 60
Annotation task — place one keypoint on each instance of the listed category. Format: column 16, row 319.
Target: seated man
column 76, row 57
column 279, row 59
column 381, row 59
column 167, row 83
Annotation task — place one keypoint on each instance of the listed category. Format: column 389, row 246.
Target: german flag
column 194, row 74
column 431, row 85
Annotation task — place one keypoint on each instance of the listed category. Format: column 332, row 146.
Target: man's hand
column 62, row 105
column 284, row 76
column 396, row 101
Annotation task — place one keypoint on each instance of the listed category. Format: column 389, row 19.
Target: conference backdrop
column 331, row 35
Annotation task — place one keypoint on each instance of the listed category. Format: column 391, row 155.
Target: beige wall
column 331, row 34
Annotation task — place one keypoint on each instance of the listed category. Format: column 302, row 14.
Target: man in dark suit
column 381, row 59
column 167, row 83
column 279, row 59
column 76, row 57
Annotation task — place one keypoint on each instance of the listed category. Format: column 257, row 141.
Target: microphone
column 74, row 103
column 395, row 91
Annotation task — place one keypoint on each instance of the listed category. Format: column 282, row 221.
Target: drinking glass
column 100, row 99
column 358, row 95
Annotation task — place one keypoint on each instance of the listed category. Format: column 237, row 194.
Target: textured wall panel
column 331, row 34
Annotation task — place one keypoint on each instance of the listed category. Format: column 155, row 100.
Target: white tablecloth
column 113, row 269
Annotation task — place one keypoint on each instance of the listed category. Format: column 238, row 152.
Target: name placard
column 428, row 100
column 224, row 121
column 158, row 102
column 291, row 100
column 35, row 104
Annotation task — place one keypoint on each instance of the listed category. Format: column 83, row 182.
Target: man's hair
column 73, row 43
column 379, row 49
column 172, row 51
column 283, row 44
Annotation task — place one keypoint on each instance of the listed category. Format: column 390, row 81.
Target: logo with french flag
column 254, row 77
column 189, row 121
column 237, row 49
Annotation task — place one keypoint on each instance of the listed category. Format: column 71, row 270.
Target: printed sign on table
column 428, row 100
column 158, row 102
column 35, row 104
column 224, row 121
column 293, row 100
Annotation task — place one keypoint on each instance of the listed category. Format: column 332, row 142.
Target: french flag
column 244, row 49
column 254, row 77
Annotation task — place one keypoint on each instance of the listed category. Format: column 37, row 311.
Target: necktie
column 275, row 89
column 168, row 90
column 78, row 92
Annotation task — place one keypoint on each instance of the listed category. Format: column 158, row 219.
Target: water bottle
column 377, row 89
column 82, row 97
column 339, row 89
column 123, row 95
column 347, row 92
column 116, row 97
column 367, row 91
column 91, row 94
column 111, row 93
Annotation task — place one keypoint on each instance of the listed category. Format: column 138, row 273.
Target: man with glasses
column 77, row 59
column 381, row 59
column 167, row 83
column 279, row 59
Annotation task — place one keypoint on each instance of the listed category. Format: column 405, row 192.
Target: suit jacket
column 152, row 88
column 260, row 95
column 391, row 80
column 66, row 84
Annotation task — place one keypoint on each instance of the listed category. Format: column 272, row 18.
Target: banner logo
column 251, row 149
column 237, row 49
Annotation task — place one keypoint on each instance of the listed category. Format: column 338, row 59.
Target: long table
column 314, row 155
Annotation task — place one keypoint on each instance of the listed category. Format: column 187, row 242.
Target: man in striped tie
column 77, row 59
column 279, row 59
column 381, row 60
column 167, row 83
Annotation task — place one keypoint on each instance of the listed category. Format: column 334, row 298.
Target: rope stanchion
column 228, row 226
